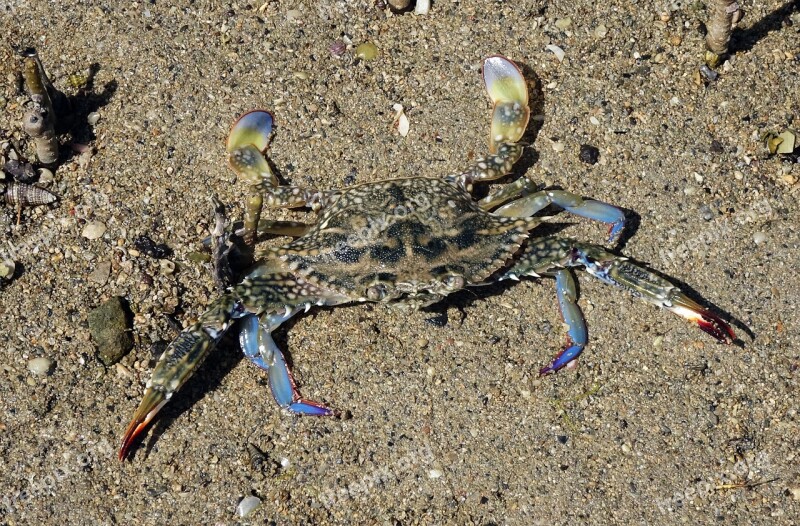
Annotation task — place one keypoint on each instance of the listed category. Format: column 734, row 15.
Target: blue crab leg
column 552, row 255
column 259, row 347
column 573, row 316
column 572, row 203
column 519, row 188
column 266, row 290
column 488, row 168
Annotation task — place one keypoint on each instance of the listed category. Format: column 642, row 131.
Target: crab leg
column 553, row 255
column 510, row 114
column 259, row 347
column 488, row 168
column 577, row 332
column 508, row 92
column 266, row 291
column 247, row 140
column 572, row 203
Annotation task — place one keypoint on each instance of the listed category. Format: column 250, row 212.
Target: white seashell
column 401, row 122
column 247, row 505
column 557, row 51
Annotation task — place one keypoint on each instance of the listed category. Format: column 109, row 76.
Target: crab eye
column 453, row 282
column 376, row 292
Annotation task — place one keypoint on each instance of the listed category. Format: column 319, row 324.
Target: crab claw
column 509, row 94
column 247, row 140
column 151, row 404
column 705, row 319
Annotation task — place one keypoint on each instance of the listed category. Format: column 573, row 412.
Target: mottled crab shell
column 404, row 238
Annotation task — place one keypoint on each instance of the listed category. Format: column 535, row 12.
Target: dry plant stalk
column 722, row 17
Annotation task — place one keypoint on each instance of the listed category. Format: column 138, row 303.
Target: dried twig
column 723, row 16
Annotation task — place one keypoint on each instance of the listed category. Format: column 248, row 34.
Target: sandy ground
column 442, row 425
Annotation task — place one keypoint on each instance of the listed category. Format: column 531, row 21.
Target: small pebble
column 94, row 230
column 247, row 505
column 100, row 273
column 40, row 366
column 600, row 31
column 93, row 118
column 167, row 267
column 366, row 51
column 45, row 176
column 7, row 268
column 716, row 147
column 706, row 213
column 110, row 328
column 589, row 154
column 563, row 23
column 559, row 146
column 759, row 237
column 435, row 473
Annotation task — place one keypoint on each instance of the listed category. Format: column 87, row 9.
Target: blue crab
column 413, row 241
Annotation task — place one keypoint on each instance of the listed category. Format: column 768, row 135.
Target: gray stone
column 110, row 330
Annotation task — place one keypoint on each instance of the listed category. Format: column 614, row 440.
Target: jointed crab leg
column 577, row 332
column 268, row 292
column 258, row 345
column 572, row 203
column 248, row 138
column 553, row 255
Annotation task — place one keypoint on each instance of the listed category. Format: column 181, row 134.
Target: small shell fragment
column 93, row 118
column 45, row 176
column 40, row 366
column 422, row 7
column 7, row 268
column 400, row 120
column 788, row 140
column 366, row 51
column 94, row 230
column 557, row 51
column 247, row 505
